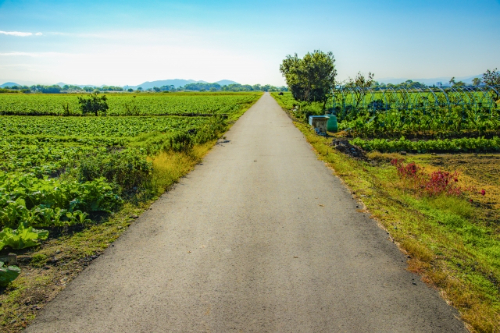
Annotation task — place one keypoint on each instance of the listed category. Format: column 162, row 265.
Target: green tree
column 476, row 81
column 361, row 85
column 311, row 79
column 93, row 104
column 492, row 78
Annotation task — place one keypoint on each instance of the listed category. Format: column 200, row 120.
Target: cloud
column 34, row 54
column 19, row 34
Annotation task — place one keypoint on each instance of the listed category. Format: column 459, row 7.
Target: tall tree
column 311, row 79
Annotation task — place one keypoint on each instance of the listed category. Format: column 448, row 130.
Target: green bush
column 129, row 169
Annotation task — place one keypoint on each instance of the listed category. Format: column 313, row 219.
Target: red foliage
column 436, row 183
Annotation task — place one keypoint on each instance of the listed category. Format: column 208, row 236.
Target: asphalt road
column 259, row 238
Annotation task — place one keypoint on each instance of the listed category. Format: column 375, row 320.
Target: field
column 426, row 114
column 128, row 104
column 441, row 209
column 78, row 154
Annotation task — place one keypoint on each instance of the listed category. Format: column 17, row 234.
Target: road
column 261, row 237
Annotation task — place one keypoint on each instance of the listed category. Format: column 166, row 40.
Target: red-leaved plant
column 436, row 183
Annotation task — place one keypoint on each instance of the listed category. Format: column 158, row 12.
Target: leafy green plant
column 423, row 146
column 8, row 274
column 21, row 238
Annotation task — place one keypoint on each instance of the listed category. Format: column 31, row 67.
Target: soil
column 343, row 145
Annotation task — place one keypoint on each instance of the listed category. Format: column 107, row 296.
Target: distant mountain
column 9, row 84
column 226, row 82
column 444, row 80
column 175, row 82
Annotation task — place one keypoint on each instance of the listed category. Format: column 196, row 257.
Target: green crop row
column 60, row 171
column 117, row 127
column 446, row 145
column 125, row 104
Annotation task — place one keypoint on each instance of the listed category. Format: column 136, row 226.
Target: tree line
column 211, row 87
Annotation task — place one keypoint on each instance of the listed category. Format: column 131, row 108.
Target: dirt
column 343, row 145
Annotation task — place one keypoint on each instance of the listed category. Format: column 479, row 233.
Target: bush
column 128, row 169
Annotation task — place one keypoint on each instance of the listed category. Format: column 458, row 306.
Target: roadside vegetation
column 70, row 185
column 443, row 210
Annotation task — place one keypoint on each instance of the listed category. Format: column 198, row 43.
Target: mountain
column 9, row 84
column 150, row 84
column 175, row 82
column 226, row 82
column 444, row 80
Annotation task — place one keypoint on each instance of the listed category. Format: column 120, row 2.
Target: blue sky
column 129, row 42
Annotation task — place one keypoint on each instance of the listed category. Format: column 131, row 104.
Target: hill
column 9, row 84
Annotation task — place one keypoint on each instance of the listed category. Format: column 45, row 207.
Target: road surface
column 259, row 238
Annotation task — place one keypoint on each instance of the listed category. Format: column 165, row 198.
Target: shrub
column 128, row 169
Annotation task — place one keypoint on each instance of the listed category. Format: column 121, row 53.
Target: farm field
column 129, row 104
column 417, row 114
column 62, row 178
column 441, row 208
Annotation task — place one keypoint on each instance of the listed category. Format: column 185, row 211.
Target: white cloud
column 34, row 54
column 19, row 34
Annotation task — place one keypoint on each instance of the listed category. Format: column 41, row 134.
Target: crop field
column 129, row 104
column 60, row 171
column 394, row 114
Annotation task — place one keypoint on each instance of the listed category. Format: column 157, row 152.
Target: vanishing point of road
column 261, row 237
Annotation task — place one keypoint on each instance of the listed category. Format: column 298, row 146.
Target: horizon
column 123, row 43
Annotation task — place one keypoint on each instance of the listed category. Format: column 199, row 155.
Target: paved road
column 260, row 238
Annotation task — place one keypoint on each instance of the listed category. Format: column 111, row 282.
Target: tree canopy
column 312, row 78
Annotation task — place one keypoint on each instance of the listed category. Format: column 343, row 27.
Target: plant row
column 438, row 146
column 124, row 104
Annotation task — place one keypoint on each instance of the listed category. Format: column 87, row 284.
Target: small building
column 319, row 123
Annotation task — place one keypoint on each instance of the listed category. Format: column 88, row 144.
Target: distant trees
column 476, row 81
column 312, row 78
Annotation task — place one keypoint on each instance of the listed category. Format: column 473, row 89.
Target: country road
column 261, row 237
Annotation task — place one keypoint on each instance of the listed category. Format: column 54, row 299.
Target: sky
column 129, row 42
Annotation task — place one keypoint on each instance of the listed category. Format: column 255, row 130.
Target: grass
column 452, row 243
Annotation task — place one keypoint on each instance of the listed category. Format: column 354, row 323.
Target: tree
column 93, row 104
column 361, row 85
column 491, row 78
column 452, row 81
column 476, row 81
column 311, row 79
